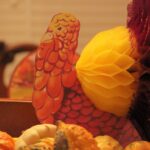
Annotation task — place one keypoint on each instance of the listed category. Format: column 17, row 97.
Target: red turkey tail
column 139, row 25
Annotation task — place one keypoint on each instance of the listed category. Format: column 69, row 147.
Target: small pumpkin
column 6, row 141
column 138, row 145
column 73, row 137
column 108, row 143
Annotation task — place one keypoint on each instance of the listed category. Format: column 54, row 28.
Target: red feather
column 139, row 23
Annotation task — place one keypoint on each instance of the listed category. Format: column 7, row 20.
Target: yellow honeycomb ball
column 106, row 71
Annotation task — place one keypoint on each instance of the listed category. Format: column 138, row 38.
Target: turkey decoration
column 21, row 82
column 106, row 88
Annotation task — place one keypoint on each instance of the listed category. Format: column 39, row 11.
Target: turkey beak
column 47, row 37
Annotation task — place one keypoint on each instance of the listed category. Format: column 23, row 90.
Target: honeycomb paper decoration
column 104, row 71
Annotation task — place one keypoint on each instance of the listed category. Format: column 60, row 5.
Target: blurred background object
column 21, row 81
column 9, row 61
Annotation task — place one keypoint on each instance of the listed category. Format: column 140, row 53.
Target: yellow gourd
column 34, row 134
column 43, row 144
column 138, row 145
column 107, row 143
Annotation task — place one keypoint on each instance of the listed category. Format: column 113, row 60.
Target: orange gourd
column 138, row 145
column 6, row 141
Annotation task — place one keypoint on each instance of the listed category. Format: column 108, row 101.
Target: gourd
column 107, row 143
column 43, row 144
column 6, row 141
column 138, row 145
column 73, row 137
column 34, row 134
column 66, row 136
